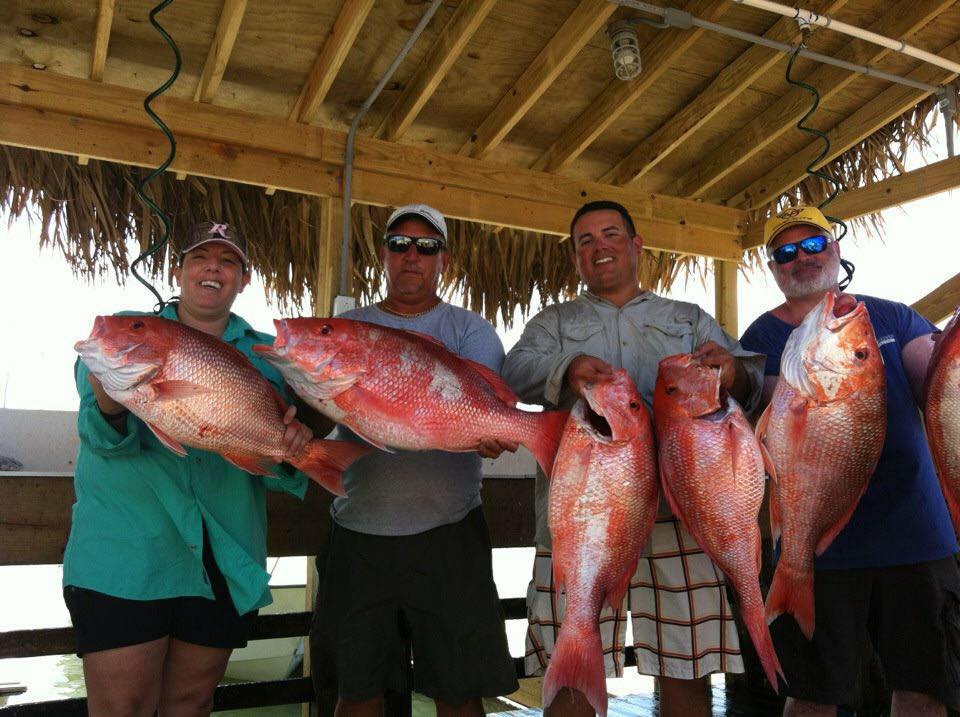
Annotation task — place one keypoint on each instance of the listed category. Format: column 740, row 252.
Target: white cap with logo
column 430, row 215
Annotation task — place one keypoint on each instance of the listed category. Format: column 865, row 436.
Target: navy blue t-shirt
column 902, row 517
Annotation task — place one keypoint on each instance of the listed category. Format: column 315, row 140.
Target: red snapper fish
column 192, row 389
column 404, row 390
column 713, row 479
column 603, row 503
column 941, row 414
column 824, row 431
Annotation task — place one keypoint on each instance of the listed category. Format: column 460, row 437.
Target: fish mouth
column 592, row 422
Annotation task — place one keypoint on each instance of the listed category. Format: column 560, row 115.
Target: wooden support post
column 328, row 257
column 83, row 160
column 725, row 293
column 101, row 39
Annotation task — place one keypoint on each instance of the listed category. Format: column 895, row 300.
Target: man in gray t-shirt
column 408, row 557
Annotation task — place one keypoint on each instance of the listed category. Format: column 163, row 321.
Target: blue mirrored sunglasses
column 811, row 245
column 426, row 246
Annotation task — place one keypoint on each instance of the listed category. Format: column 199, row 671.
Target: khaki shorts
column 681, row 618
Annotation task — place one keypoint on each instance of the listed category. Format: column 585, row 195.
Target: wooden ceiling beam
column 873, row 115
column 891, row 192
column 666, row 48
column 101, row 39
column 435, row 66
column 219, row 55
column 331, row 58
column 901, row 20
column 577, row 30
column 940, row 303
column 724, row 89
column 41, row 110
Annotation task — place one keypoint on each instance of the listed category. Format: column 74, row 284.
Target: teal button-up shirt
column 137, row 530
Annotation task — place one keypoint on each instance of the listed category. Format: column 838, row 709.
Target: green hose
column 164, row 219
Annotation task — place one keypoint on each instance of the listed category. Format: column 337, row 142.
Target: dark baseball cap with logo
column 207, row 232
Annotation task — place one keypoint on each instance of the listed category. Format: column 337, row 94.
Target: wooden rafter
column 900, row 189
column 665, row 49
column 884, row 108
column 940, row 303
column 577, row 30
column 41, row 110
column 331, row 58
column 732, row 81
column 219, row 55
column 445, row 51
column 101, row 39
column 901, row 20
column 725, row 295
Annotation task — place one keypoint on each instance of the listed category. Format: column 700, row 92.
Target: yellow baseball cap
column 792, row 217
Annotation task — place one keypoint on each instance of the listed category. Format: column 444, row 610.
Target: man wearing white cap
column 408, row 558
column 891, row 574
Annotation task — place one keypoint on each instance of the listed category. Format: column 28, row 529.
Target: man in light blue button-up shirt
column 682, row 626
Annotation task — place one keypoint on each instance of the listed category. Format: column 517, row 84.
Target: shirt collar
column 645, row 295
column 237, row 327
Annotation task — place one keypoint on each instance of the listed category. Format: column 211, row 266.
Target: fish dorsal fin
column 425, row 337
column 171, row 443
column 499, row 386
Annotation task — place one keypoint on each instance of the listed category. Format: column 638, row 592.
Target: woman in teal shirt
column 164, row 568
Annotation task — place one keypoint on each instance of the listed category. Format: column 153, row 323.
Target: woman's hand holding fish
column 296, row 436
column 584, row 369
column 492, row 447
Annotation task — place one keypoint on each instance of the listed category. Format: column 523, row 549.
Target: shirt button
column 198, row 460
column 623, row 343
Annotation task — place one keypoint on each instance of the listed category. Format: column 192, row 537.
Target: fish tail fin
column 753, row 620
column 791, row 592
column 546, row 438
column 577, row 663
column 324, row 461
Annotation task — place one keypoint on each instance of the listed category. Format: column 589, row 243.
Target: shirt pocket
column 654, row 342
column 584, row 337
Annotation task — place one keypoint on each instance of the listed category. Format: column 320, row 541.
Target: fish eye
column 671, row 390
column 136, row 325
column 861, row 354
column 634, row 405
column 327, row 329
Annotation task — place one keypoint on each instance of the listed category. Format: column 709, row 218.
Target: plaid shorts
column 682, row 624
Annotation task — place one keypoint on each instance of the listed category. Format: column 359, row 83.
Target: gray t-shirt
column 408, row 492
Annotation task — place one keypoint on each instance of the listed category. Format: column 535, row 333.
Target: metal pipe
column 824, row 21
column 348, row 152
column 681, row 19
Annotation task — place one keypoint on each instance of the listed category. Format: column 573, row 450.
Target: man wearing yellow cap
column 891, row 574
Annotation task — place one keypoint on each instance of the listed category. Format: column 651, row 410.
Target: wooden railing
column 35, row 512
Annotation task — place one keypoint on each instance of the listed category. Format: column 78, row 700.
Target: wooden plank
column 940, row 303
column 725, row 295
column 332, row 55
column 665, row 49
column 35, row 513
column 101, row 39
column 901, row 20
column 578, row 29
column 435, row 66
column 884, row 108
column 328, row 258
column 732, row 81
column 219, row 55
column 43, row 111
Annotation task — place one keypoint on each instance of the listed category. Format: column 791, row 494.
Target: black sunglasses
column 426, row 246
column 811, row 245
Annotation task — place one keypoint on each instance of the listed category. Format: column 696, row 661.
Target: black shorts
column 911, row 614
column 105, row 622
column 433, row 590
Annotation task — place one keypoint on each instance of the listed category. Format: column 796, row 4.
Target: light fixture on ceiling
column 625, row 48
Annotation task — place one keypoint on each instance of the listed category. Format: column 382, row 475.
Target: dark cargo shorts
column 911, row 614
column 433, row 590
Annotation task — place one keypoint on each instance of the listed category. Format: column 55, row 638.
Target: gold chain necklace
column 383, row 307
